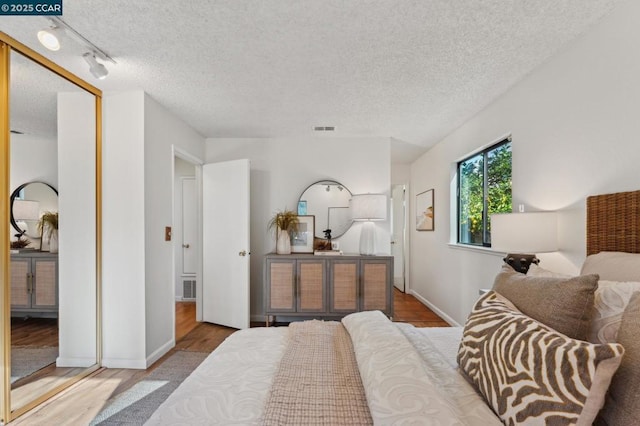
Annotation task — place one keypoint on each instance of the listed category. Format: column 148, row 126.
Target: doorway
column 399, row 235
column 186, row 247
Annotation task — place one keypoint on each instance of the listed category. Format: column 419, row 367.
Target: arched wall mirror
column 328, row 201
column 29, row 202
column 50, row 143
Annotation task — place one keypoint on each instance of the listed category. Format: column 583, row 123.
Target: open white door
column 225, row 246
column 398, row 235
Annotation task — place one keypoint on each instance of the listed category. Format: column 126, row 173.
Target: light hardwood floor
column 79, row 404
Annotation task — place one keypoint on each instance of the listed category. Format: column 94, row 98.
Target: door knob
column 242, row 253
column 186, row 245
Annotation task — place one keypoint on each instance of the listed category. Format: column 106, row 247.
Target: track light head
column 50, row 37
column 97, row 69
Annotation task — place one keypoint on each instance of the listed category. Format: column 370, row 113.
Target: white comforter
column 409, row 374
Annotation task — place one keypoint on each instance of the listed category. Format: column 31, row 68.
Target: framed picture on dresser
column 302, row 239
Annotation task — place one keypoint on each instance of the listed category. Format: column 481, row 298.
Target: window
column 484, row 187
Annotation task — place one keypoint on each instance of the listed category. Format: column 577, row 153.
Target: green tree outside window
column 484, row 188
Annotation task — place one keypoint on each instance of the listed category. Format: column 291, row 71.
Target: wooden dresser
column 34, row 284
column 327, row 287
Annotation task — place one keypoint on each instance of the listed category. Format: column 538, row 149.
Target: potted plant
column 48, row 228
column 283, row 223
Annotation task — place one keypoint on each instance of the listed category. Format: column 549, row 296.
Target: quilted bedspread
column 409, row 376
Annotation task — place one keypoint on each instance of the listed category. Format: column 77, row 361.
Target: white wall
column 76, row 156
column 400, row 174
column 162, row 131
column 123, row 233
column 138, row 291
column 182, row 169
column 31, row 160
column 575, row 133
column 282, row 168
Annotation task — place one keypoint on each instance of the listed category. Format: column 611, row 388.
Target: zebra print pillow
column 530, row 373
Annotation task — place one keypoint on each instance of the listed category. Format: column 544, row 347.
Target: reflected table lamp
column 368, row 208
column 23, row 211
column 521, row 233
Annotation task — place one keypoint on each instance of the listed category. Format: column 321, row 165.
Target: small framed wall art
column 424, row 211
column 302, row 239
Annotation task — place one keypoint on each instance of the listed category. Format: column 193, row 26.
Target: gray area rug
column 138, row 403
column 27, row 360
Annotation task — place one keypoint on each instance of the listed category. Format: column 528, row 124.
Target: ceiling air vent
column 324, row 128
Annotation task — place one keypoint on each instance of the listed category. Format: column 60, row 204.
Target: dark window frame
column 485, row 188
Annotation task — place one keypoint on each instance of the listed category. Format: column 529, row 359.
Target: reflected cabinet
column 304, row 285
column 34, row 284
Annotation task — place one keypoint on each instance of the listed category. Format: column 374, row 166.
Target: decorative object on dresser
column 283, row 223
column 34, row 284
column 517, row 233
column 302, row 237
column 48, row 227
column 27, row 203
column 368, row 208
column 327, row 287
column 25, row 211
column 425, row 220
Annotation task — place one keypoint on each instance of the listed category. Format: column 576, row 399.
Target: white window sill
column 478, row 249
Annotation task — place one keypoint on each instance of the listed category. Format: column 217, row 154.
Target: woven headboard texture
column 613, row 222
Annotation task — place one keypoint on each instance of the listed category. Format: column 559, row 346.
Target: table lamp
column 519, row 233
column 368, row 208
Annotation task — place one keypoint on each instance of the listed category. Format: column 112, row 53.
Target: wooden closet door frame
column 7, row 45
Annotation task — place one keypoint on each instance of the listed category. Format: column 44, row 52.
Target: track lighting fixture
column 97, row 69
column 50, row 38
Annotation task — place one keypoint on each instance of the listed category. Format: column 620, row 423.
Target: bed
column 537, row 349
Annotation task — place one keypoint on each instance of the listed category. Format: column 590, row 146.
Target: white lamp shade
column 369, row 207
column 26, row 210
column 535, row 232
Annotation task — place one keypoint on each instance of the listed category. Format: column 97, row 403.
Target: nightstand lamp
column 519, row 233
column 367, row 208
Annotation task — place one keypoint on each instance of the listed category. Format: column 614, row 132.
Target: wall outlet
column 335, row 245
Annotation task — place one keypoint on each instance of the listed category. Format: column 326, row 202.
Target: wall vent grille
column 189, row 289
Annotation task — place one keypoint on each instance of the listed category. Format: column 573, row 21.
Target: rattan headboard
column 613, row 222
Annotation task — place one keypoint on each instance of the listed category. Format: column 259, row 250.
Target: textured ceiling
column 409, row 70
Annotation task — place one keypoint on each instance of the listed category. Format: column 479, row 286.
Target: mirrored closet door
column 50, row 215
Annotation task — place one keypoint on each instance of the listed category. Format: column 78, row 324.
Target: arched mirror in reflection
column 50, row 314
column 328, row 201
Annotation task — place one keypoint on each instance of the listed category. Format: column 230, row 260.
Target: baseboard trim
column 133, row 364
column 435, row 309
column 158, row 353
column 75, row 362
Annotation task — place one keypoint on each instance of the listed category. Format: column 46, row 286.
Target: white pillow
column 610, row 301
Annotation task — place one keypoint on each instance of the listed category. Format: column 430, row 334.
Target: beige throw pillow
column 529, row 373
column 538, row 271
column 564, row 304
column 622, row 406
column 613, row 266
